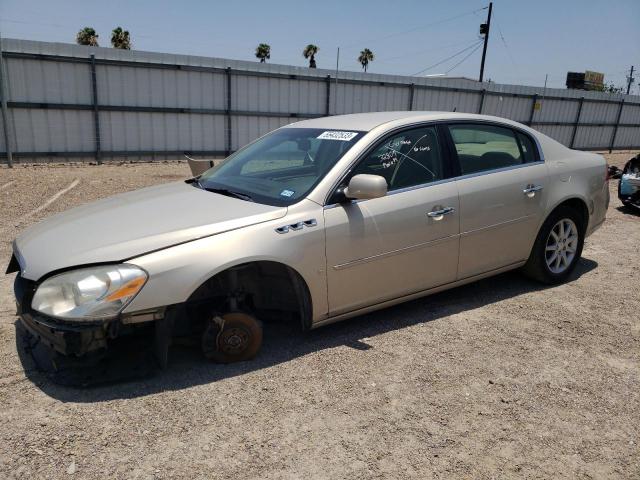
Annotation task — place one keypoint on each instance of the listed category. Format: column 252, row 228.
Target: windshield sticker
column 287, row 193
column 337, row 135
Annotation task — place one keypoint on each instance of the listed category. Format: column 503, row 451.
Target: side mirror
column 364, row 186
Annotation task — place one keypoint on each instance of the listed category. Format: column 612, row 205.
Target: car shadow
column 284, row 342
column 629, row 210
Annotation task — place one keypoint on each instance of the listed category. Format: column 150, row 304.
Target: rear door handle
column 439, row 214
column 530, row 190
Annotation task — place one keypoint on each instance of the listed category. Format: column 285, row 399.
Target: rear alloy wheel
column 232, row 337
column 562, row 245
column 557, row 248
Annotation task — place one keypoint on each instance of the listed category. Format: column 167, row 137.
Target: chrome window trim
column 445, row 180
column 431, row 123
column 498, row 170
column 400, row 190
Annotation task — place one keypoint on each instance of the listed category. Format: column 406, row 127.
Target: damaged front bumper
column 75, row 338
column 63, row 337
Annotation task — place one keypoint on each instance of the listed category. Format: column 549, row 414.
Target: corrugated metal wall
column 154, row 105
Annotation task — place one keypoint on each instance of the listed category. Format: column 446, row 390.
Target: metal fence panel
column 515, row 108
column 593, row 137
column 246, row 128
column 52, row 130
column 444, row 101
column 131, row 131
column 552, row 110
column 599, row 112
column 626, row 138
column 37, row 81
column 146, row 87
column 560, row 133
column 356, row 98
column 630, row 114
column 70, row 101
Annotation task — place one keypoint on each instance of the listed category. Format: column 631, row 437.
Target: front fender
column 176, row 272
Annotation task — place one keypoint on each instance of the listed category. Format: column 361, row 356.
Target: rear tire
column 557, row 248
column 232, row 337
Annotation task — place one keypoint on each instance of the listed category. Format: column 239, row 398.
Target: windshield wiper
column 228, row 193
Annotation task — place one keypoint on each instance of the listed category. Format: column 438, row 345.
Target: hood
column 131, row 224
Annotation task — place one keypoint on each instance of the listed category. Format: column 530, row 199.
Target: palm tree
column 120, row 39
column 310, row 53
column 87, row 36
column 263, row 52
column 365, row 57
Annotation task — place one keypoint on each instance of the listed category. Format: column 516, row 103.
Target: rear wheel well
column 269, row 290
column 579, row 206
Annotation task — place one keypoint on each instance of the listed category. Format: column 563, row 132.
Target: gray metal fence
column 85, row 103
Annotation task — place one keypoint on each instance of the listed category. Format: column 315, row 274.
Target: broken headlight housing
column 96, row 293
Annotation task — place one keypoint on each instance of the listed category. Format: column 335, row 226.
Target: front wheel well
column 268, row 289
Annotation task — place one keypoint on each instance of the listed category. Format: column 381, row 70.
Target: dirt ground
column 502, row 378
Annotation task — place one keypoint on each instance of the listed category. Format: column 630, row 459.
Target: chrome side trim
column 391, row 253
column 498, row 170
column 497, row 225
column 312, row 222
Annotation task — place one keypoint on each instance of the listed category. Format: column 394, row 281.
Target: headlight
column 90, row 293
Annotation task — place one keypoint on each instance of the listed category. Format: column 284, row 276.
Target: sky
column 528, row 39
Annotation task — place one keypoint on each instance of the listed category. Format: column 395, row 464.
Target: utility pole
column 484, row 30
column 630, row 80
column 335, row 96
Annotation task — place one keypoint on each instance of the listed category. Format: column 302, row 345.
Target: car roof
column 368, row 121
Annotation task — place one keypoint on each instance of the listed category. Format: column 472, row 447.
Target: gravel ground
column 499, row 379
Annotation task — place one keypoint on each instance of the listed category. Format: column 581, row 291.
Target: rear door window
column 482, row 148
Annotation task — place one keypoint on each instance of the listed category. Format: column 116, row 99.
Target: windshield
column 280, row 168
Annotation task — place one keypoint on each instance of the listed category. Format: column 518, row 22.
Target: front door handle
column 530, row 190
column 440, row 213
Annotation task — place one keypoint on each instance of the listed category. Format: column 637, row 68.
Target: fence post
column 228, row 112
column 533, row 109
column 5, row 115
column 96, row 113
column 412, row 89
column 575, row 126
column 328, row 105
column 482, row 94
column 615, row 129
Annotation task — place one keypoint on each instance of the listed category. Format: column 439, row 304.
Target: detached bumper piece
column 629, row 186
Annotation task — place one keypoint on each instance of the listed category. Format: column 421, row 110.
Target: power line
column 506, row 47
column 411, row 54
column 475, row 44
column 461, row 61
column 421, row 27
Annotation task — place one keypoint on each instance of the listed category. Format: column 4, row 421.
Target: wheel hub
column 562, row 244
column 233, row 340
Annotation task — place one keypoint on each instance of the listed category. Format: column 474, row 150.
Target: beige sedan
column 317, row 221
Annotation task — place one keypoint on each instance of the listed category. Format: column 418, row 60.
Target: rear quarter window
column 529, row 150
